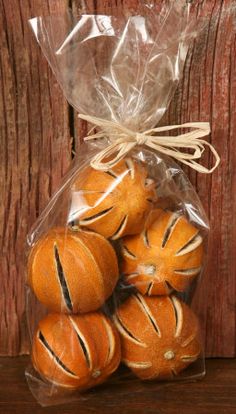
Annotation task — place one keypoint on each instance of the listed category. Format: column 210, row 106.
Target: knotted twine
column 123, row 140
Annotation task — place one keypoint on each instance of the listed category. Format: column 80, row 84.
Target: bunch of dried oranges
column 118, row 236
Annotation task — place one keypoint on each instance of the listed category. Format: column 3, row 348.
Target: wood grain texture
column 215, row 394
column 35, row 151
column 207, row 93
column 35, row 128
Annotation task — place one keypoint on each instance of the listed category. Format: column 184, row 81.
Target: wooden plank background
column 36, row 127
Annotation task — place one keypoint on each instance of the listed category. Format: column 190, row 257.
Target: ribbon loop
column 123, row 140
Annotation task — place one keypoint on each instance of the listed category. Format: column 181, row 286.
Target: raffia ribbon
column 123, row 140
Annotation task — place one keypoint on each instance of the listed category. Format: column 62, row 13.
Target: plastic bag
column 115, row 258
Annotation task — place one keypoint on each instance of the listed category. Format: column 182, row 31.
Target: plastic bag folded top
column 122, row 68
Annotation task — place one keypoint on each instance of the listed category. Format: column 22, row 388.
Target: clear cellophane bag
column 115, row 259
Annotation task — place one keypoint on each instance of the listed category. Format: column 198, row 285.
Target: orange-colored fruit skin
column 159, row 335
column 76, row 351
column 162, row 258
column 72, row 271
column 116, row 202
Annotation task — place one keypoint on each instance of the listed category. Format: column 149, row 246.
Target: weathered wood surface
column 35, row 129
column 208, row 92
column 215, row 394
column 35, row 152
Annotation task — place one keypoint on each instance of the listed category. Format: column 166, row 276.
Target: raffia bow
column 123, row 140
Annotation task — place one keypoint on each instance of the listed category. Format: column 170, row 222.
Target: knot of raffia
column 123, row 140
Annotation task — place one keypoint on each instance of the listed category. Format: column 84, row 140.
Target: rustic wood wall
column 36, row 126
